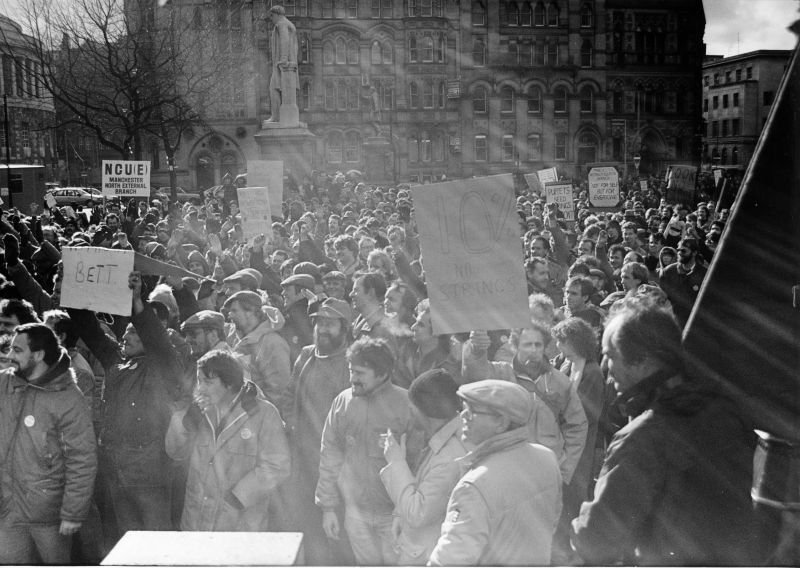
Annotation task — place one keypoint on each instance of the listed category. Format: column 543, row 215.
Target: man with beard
column 48, row 444
column 538, row 274
column 558, row 421
column 205, row 331
column 320, row 373
column 351, row 454
column 682, row 280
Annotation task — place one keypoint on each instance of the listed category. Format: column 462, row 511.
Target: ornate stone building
column 414, row 90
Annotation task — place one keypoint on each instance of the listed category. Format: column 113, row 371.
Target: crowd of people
column 294, row 383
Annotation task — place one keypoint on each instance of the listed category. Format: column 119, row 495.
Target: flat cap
column 206, row 319
column 334, row 275
column 248, row 299
column 245, row 279
column 302, row 280
column 503, row 397
column 334, row 308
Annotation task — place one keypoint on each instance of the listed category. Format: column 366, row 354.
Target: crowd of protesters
column 294, row 383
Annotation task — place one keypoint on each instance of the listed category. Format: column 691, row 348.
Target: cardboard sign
column 717, row 177
column 604, row 187
column 643, row 184
column 469, row 236
column 255, row 212
column 269, row 174
column 681, row 184
column 50, row 200
column 533, row 183
column 126, row 178
column 560, row 192
column 548, row 175
column 96, row 279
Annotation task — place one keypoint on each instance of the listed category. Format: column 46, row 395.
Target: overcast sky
column 756, row 24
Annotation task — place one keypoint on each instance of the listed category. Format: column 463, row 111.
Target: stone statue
column 283, row 82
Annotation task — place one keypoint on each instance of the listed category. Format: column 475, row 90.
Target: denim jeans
column 370, row 537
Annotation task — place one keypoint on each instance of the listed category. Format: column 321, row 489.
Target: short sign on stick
column 560, row 192
column 604, row 187
column 126, row 178
column 96, row 279
column 469, row 235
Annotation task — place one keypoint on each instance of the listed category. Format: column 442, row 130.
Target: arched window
column 352, row 96
column 441, row 94
column 413, row 95
column 375, row 53
column 538, row 14
column 587, row 100
column 479, row 53
column 386, row 91
column 552, row 14
column 334, row 147
column 352, row 147
column 341, row 51
column 352, row 52
column 413, row 148
column 427, row 94
column 506, row 100
column 427, row 49
column 478, row 13
column 525, row 15
column 586, row 53
column 438, row 49
column 305, row 96
column 328, row 53
column 560, row 100
column 425, row 146
column 534, row 100
column 386, row 52
column 330, row 96
column 587, row 15
column 512, row 13
column 479, row 102
column 341, row 96
column 305, row 49
column 534, row 147
column 413, row 53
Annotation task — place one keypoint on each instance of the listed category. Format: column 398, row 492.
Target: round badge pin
column 30, row 421
column 246, row 434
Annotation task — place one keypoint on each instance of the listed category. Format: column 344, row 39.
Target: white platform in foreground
column 168, row 548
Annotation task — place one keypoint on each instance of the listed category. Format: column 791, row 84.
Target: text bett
column 95, row 273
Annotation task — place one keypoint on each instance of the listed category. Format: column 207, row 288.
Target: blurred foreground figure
column 675, row 485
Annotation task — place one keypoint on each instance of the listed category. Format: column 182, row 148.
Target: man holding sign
column 140, row 387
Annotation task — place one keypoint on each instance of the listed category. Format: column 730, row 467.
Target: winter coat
column 265, row 357
column 505, row 507
column 558, row 422
column 232, row 472
column 352, row 455
column 674, row 488
column 47, row 446
column 421, row 500
column 138, row 398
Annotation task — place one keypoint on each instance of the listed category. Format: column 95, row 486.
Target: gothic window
column 441, row 94
column 427, row 49
column 341, row 51
column 538, row 53
column 438, row 54
column 479, row 101
column 386, row 52
column 438, row 147
column 525, row 54
column 512, row 13
column 305, row 96
column 339, row 10
column 425, row 146
column 305, row 49
column 413, row 95
column 352, row 96
column 552, row 14
column 552, row 53
column 328, row 53
column 386, row 92
column 525, row 15
column 375, row 53
column 426, row 8
column 302, row 8
column 427, row 94
column 352, row 52
column 341, row 96
column 352, row 8
column 413, row 52
column 538, row 14
column 513, row 53
column 413, row 9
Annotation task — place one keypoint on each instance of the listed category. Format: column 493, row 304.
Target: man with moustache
column 352, row 453
column 205, row 331
column 682, row 280
column 320, row 373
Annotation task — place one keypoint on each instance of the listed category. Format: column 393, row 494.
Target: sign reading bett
column 469, row 235
column 96, row 279
column 124, row 178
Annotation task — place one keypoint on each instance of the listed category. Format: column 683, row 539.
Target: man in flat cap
column 504, row 509
column 205, row 331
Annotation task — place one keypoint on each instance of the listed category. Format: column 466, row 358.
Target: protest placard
column 717, row 177
column 604, row 187
column 533, row 183
column 126, row 178
column 643, row 184
column 547, row 175
column 560, row 192
column 681, row 184
column 96, row 279
column 269, row 174
column 469, row 236
column 254, row 208
column 50, row 200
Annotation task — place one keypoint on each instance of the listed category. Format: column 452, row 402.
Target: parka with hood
column 47, row 446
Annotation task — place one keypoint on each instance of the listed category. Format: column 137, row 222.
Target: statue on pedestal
column 283, row 82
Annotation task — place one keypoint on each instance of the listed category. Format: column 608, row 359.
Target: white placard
column 254, row 208
column 126, row 178
column 560, row 192
column 547, row 175
column 50, row 200
column 269, row 174
column 643, row 184
column 604, row 187
column 96, row 279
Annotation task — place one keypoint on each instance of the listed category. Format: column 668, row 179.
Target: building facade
column 31, row 114
column 417, row 90
column 738, row 92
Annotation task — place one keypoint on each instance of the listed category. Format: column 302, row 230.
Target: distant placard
column 469, row 236
column 643, row 184
column 604, row 187
column 269, row 174
column 126, row 178
column 560, row 192
column 254, row 208
column 717, row 177
column 50, row 200
column 681, row 184
column 547, row 175
column 96, row 279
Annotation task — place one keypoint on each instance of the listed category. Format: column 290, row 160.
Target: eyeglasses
column 469, row 413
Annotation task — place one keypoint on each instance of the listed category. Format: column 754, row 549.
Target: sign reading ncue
column 125, row 178
column 96, row 279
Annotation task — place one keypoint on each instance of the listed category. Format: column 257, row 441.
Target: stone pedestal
column 295, row 145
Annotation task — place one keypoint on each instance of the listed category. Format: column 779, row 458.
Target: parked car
column 74, row 196
column 164, row 192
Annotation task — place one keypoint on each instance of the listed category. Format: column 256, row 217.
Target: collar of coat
column 439, row 439
column 58, row 376
column 494, row 445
